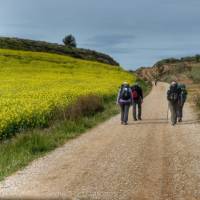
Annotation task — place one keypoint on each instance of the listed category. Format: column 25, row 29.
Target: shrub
column 195, row 74
column 197, row 58
column 69, row 41
column 197, row 100
column 84, row 106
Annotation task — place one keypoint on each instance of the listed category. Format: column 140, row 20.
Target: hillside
column 36, row 86
column 41, row 46
column 185, row 70
column 172, row 68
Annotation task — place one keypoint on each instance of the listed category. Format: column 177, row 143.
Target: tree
column 69, row 41
column 197, row 58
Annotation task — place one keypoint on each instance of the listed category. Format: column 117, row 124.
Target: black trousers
column 137, row 109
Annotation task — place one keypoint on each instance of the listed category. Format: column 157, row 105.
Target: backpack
column 135, row 94
column 173, row 94
column 183, row 94
column 125, row 93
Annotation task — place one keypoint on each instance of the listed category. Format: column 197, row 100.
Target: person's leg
column 176, row 107
column 134, row 110
column 139, row 110
column 126, row 111
column 181, row 112
column 173, row 113
column 122, row 113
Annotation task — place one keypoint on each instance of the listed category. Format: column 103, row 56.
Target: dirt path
column 147, row 160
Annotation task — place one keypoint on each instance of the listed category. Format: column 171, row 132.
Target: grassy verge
column 19, row 151
column 194, row 92
column 24, row 148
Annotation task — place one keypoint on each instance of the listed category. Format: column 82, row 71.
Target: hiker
column 137, row 96
column 155, row 82
column 173, row 95
column 181, row 101
column 124, row 99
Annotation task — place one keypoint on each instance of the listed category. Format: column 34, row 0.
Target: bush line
column 17, row 152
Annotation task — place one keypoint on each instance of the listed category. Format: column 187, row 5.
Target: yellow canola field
column 34, row 84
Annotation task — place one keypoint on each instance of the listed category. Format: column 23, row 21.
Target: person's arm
column 118, row 96
column 141, row 94
column 131, row 95
column 168, row 93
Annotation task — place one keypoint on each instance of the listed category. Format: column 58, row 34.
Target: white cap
column 173, row 83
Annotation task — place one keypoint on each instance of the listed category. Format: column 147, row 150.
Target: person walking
column 124, row 99
column 173, row 96
column 155, row 82
column 181, row 102
column 137, row 96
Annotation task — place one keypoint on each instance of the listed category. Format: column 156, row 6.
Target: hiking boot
column 180, row 120
column 173, row 123
column 135, row 119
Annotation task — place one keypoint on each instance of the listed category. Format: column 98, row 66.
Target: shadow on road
column 148, row 121
column 192, row 121
column 162, row 121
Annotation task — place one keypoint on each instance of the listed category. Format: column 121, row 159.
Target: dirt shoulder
column 149, row 159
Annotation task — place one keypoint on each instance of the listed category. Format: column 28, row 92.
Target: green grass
column 18, row 152
column 146, row 85
column 195, row 74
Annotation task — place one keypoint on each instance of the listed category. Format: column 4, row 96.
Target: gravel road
column 146, row 160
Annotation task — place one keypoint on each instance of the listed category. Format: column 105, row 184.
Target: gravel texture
column 145, row 160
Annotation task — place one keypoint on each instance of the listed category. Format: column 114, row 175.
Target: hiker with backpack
column 173, row 96
column 124, row 99
column 137, row 96
column 181, row 102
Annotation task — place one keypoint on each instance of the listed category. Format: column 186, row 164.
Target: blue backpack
column 125, row 93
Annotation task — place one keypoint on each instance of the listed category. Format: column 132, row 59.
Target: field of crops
column 34, row 84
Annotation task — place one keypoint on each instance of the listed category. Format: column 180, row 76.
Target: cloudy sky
column 134, row 32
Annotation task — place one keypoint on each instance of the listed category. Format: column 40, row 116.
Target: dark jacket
column 174, row 89
column 139, row 91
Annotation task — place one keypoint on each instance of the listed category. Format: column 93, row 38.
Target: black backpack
column 173, row 94
column 125, row 92
column 183, row 94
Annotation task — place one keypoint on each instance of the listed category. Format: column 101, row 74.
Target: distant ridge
column 42, row 46
column 171, row 69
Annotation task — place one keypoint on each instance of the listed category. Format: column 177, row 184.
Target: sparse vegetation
column 195, row 74
column 197, row 100
column 41, row 46
column 146, row 85
column 186, row 70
